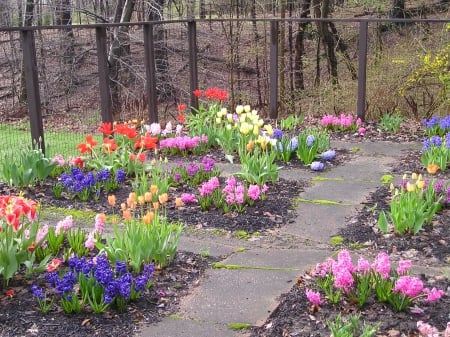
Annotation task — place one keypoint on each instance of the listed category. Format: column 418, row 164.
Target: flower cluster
column 13, row 209
column 90, row 184
column 234, row 195
column 99, row 284
column 155, row 129
column 193, row 174
column 343, row 122
column 436, row 126
column 338, row 278
column 414, row 204
column 212, row 93
column 436, row 153
column 20, row 235
column 182, row 144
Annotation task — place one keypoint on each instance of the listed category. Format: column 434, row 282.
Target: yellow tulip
column 414, row 176
column 420, row 184
column 247, row 108
column 239, row 109
column 410, row 187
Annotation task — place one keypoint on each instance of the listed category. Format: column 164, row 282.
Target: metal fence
column 69, row 91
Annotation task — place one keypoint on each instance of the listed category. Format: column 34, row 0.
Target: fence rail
column 188, row 30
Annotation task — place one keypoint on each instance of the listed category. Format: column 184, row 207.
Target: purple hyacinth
column 208, row 164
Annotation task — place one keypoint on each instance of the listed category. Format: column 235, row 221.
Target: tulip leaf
column 382, row 222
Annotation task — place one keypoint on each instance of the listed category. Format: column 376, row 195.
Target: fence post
column 150, row 71
column 103, row 75
column 193, row 70
column 362, row 66
column 273, row 75
column 32, row 87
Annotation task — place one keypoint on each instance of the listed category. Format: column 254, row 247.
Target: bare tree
column 120, row 48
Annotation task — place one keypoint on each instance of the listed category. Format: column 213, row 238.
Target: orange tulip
column 112, row 200
column 250, row 146
column 156, row 205
column 148, row 217
column 126, row 214
column 163, row 198
column 141, row 200
column 148, row 196
column 178, row 202
column 154, row 189
column 432, row 168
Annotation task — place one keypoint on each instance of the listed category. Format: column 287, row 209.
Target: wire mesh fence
column 232, row 55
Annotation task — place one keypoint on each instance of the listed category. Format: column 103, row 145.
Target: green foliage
column 391, row 122
column 27, row 168
column 258, row 166
column 411, row 207
column 351, row 326
column 291, row 122
column 140, row 243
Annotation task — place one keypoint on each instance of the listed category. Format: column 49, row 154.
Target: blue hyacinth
column 317, row 166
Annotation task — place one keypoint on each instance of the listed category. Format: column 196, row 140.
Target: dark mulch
column 20, row 315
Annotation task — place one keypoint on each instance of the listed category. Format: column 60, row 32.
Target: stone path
column 268, row 266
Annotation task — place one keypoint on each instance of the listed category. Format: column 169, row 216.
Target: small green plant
column 26, row 168
column 412, row 206
column 147, row 236
column 336, row 240
column 351, row 326
column 390, row 122
column 291, row 122
column 258, row 166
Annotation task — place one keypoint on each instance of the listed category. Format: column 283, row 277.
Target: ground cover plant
column 148, row 212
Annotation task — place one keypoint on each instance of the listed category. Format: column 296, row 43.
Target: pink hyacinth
column 426, row 330
column 433, row 294
column 343, row 279
column 344, row 261
column 188, row 198
column 363, row 266
column 42, row 232
column 99, row 225
column 408, row 286
column 313, row 297
column 65, row 224
column 403, row 266
column 382, row 265
column 90, row 241
column 253, row 192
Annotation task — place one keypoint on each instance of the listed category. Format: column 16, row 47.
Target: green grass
column 56, row 142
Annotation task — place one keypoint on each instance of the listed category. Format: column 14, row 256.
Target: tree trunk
column 282, row 54
column 164, row 83
column 120, row 48
column 398, row 9
column 67, row 42
column 300, row 47
column 28, row 16
column 256, row 37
